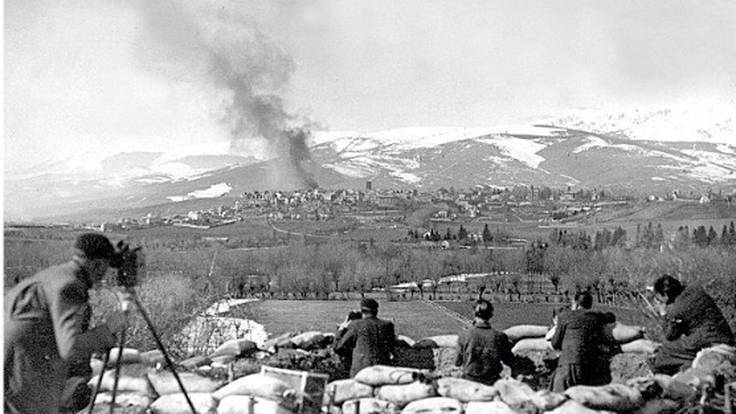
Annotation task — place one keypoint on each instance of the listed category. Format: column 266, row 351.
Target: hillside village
column 518, row 204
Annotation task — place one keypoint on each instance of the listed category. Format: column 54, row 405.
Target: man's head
column 369, row 307
column 483, row 309
column 582, row 300
column 667, row 288
column 93, row 252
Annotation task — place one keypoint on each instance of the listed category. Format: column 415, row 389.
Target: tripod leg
column 161, row 347
column 99, row 381
column 118, row 364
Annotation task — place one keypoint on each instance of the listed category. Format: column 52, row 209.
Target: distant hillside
column 423, row 158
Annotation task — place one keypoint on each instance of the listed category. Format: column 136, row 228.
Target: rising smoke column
column 212, row 43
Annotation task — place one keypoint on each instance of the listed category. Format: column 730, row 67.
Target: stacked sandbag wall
column 144, row 388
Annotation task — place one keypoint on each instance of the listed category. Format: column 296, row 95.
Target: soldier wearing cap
column 482, row 349
column 45, row 327
column 369, row 340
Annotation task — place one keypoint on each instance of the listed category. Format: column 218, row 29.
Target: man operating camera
column 46, row 326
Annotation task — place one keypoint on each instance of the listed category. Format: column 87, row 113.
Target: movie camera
column 129, row 263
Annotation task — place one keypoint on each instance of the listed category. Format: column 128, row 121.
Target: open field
column 415, row 319
column 412, row 318
column 510, row 314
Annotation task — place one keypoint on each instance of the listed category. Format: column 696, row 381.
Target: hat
column 369, row 305
column 94, row 246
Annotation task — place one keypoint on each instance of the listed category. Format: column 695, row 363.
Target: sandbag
column 378, row 375
column 242, row 404
column 715, row 358
column 260, row 385
column 488, row 407
column 126, row 383
column 613, row 397
column 96, row 366
column 572, row 407
column 235, row 348
column 465, row 390
column 674, row 389
column 647, row 386
column 438, row 341
column 368, row 406
column 307, row 340
column 130, row 356
column 404, row 394
column 518, row 332
column 124, row 399
column 404, row 341
column 516, row 394
column 696, row 377
column 164, row 383
column 644, row 346
column 195, row 362
column 278, row 342
column 347, row 389
column 662, row 406
column 547, row 400
column 203, row 403
column 622, row 334
column 221, row 361
column 532, row 344
column 153, row 358
column 434, row 405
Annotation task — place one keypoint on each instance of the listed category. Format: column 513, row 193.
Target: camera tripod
column 125, row 307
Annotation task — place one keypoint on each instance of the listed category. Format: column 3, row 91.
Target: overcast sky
column 115, row 75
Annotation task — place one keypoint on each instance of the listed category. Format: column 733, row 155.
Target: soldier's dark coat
column 693, row 322
column 371, row 341
column 585, row 356
column 44, row 332
column 481, row 349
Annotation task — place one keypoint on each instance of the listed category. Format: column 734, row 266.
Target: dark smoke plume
column 210, row 42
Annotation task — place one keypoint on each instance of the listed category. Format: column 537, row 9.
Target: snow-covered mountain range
column 639, row 153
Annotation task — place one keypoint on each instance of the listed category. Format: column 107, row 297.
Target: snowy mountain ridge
column 564, row 152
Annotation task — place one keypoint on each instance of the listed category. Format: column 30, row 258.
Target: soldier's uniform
column 369, row 341
column 481, row 351
column 44, row 333
column 693, row 322
column 585, row 356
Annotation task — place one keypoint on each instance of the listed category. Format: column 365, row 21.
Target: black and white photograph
column 369, row 207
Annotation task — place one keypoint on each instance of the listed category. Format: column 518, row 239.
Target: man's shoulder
column 63, row 277
column 359, row 323
column 62, row 272
column 579, row 318
column 692, row 291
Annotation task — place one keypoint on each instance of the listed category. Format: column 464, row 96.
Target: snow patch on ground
column 596, row 142
column 406, row 177
column 224, row 306
column 710, row 173
column 572, row 181
column 658, row 179
column 686, row 121
column 523, row 150
column 215, row 190
column 727, row 149
column 718, row 158
column 204, row 334
column 421, row 137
